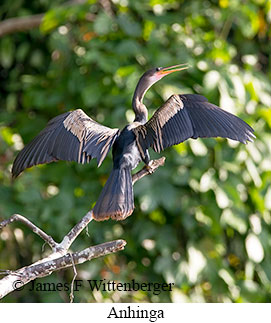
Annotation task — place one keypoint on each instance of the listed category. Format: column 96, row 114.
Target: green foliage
column 203, row 220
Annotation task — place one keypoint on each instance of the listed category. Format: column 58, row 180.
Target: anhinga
column 74, row 136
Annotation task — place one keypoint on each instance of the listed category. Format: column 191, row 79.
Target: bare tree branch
column 33, row 227
column 72, row 283
column 14, row 25
column 148, row 170
column 21, row 277
column 65, row 244
column 60, row 257
column 18, row 24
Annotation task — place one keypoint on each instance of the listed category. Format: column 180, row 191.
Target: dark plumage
column 73, row 136
column 189, row 116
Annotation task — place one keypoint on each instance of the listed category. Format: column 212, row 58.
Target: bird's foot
column 154, row 164
column 150, row 167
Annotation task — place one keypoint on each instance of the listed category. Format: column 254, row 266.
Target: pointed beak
column 168, row 70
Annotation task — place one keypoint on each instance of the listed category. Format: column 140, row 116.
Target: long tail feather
column 116, row 200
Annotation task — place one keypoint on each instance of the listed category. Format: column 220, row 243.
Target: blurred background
column 202, row 221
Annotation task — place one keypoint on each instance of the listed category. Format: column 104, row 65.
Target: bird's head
column 152, row 76
column 146, row 81
column 155, row 74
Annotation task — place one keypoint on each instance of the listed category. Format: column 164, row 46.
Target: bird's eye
column 158, row 69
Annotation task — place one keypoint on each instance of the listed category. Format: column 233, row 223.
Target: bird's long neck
column 141, row 112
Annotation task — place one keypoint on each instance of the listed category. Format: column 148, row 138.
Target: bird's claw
column 149, row 167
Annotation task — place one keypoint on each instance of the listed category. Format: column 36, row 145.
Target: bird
column 74, row 136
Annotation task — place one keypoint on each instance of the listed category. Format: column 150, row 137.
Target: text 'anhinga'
column 74, row 136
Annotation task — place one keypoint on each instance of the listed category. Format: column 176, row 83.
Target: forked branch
column 61, row 257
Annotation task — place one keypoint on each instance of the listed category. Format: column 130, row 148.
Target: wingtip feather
column 118, row 215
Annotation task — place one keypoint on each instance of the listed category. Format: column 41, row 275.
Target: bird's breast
column 125, row 151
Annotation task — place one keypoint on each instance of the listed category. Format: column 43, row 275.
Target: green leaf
column 129, row 26
column 103, row 24
column 7, row 51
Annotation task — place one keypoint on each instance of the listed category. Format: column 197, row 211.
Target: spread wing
column 71, row 136
column 189, row 116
